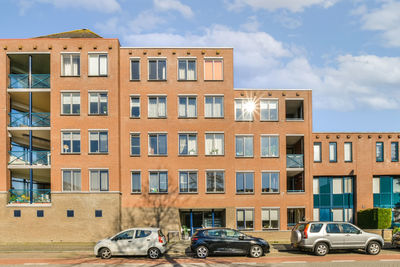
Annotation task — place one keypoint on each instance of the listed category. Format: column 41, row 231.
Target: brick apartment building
column 96, row 137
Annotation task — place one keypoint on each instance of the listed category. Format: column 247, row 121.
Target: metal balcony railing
column 22, row 81
column 21, row 119
column 23, row 196
column 39, row 158
column 294, row 161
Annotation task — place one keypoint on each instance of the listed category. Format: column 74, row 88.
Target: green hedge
column 376, row 218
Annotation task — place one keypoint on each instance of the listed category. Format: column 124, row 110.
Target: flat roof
column 355, row 132
column 173, row 47
column 270, row 89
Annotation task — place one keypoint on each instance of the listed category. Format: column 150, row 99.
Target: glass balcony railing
column 23, row 196
column 294, row 161
column 22, row 81
column 21, row 119
column 39, row 158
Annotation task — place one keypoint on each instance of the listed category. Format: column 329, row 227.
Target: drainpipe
column 30, row 133
column 212, row 215
column 191, row 223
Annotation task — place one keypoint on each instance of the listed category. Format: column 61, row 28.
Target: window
column 270, row 218
column 294, row 110
column 187, row 69
column 379, row 151
column 214, row 107
column 188, row 182
column 349, row 229
column 157, row 144
column 125, row 235
column 316, row 214
column 136, row 182
column 215, row 182
column 71, row 142
column 98, row 180
column 244, row 146
column 17, row 213
column 396, row 185
column 135, row 69
column 98, row 65
column 295, row 215
column 315, row 186
column 40, row 213
column 71, row 103
column 158, row 182
column 333, row 228
column 188, row 144
column 270, row 182
column 337, row 215
column 71, row 180
column 70, row 65
column 376, row 185
column 142, row 233
column 268, row 110
column 135, row 107
column 395, row 151
column 269, row 146
column 157, row 69
column 98, row 213
column 337, row 186
column 348, row 152
column 135, row 144
column 214, row 144
column 98, row 103
column 348, row 184
column 187, row 107
column 316, row 227
column 213, row 69
column 157, row 107
column 244, row 109
column 332, row 152
column 245, row 218
column 70, row 213
column 244, row 182
column 317, row 152
column 98, row 141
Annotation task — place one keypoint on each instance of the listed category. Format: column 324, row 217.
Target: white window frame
column 130, row 141
column 244, row 183
column 158, row 115
column 269, row 100
column 269, row 147
column 140, row 181
column 157, row 59
column 71, row 56
column 98, row 134
column 213, row 144
column 158, row 173
column 213, row 107
column 244, row 136
column 99, row 55
column 72, row 180
column 188, row 174
column 136, row 59
column 131, row 105
column 187, row 59
column 71, row 93
column 71, row 140
column 279, row 181
column 166, row 145
column 243, row 110
column 244, row 218
column 187, row 106
column 215, row 181
column 269, row 210
column 188, row 154
column 99, row 170
column 213, row 59
column 98, row 93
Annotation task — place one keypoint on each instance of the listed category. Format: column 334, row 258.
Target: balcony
column 21, row 119
column 295, row 161
column 22, row 81
column 21, row 158
column 22, row 196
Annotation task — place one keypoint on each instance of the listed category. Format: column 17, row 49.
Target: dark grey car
column 321, row 237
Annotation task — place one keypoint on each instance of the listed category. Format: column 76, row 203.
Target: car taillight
column 194, row 239
column 305, row 234
column 160, row 239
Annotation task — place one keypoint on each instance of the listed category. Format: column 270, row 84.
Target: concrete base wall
column 55, row 226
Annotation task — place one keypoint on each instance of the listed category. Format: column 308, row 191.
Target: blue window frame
column 332, row 152
column 40, row 213
column 379, row 152
column 98, row 213
column 17, row 213
column 70, row 213
column 395, row 151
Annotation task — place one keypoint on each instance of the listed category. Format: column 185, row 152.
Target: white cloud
column 251, row 25
column 272, row 5
column 165, row 5
column 105, row 6
column 385, row 19
column 350, row 82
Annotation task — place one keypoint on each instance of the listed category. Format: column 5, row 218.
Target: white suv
column 134, row 241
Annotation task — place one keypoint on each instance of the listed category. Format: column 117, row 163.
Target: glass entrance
column 195, row 219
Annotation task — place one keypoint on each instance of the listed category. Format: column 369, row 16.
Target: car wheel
column 202, row 252
column 321, row 249
column 154, row 253
column 256, row 251
column 373, row 248
column 105, row 253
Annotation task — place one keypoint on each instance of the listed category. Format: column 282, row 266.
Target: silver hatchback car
column 134, row 241
column 321, row 237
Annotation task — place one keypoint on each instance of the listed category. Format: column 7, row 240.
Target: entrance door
column 197, row 220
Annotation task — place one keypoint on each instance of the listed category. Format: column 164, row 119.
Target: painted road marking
column 37, row 263
column 342, row 260
column 294, row 262
column 389, row 260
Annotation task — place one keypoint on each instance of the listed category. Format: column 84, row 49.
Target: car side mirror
column 359, row 232
column 241, row 237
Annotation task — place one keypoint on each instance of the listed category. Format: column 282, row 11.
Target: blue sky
column 347, row 51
